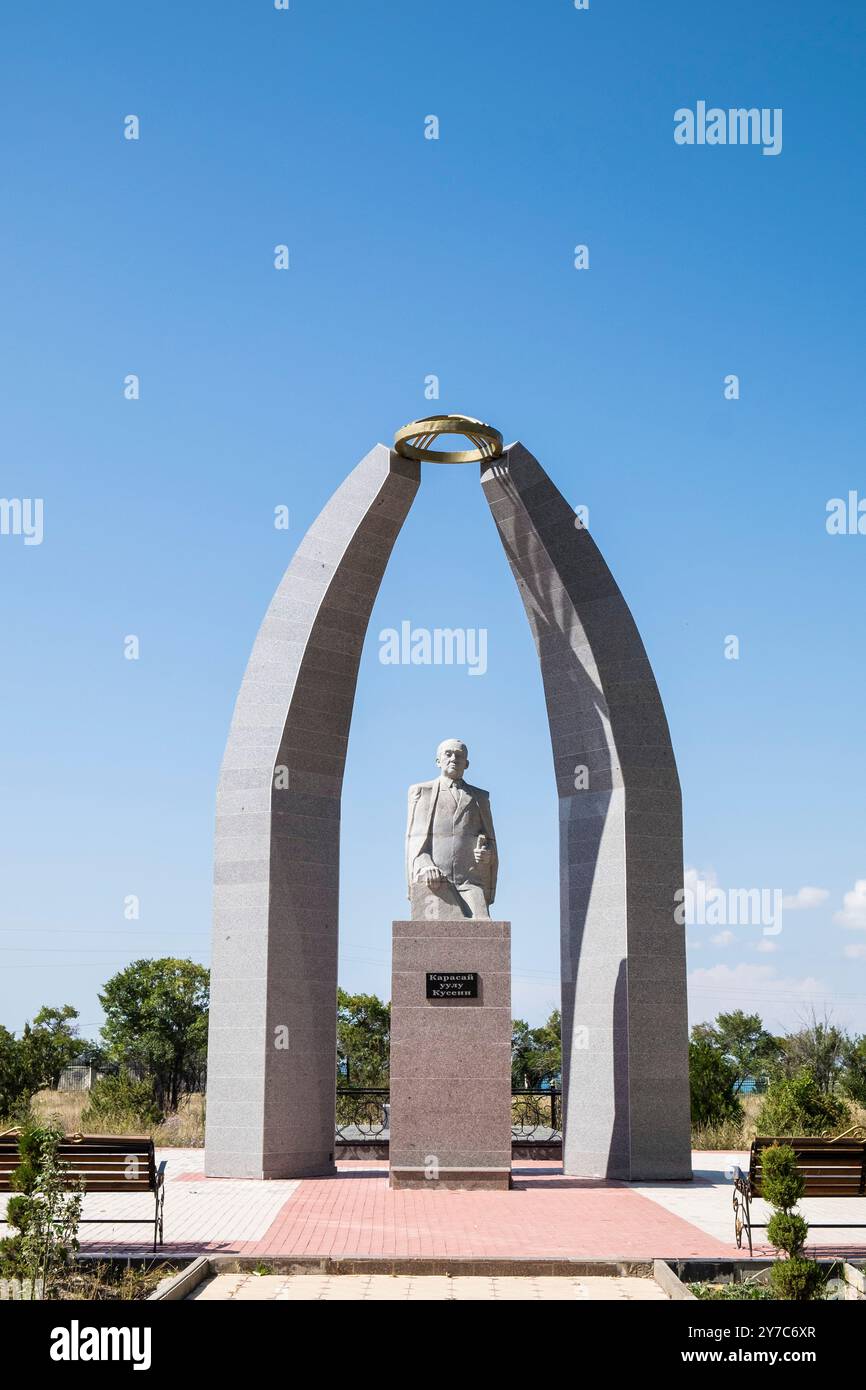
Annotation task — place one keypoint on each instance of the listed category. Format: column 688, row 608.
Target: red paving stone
column 544, row 1215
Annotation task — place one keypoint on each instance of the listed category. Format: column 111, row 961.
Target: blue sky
column 260, row 388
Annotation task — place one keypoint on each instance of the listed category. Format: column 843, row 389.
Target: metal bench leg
column 157, row 1215
column 160, row 1211
column 742, row 1213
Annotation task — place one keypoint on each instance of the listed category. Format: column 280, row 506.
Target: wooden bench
column 103, row 1163
column 831, row 1168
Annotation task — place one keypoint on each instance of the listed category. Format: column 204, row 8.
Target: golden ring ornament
column 413, row 440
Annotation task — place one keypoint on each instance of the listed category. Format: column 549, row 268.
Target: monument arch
column 270, row 1111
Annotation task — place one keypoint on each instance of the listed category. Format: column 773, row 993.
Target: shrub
column 796, row 1279
column 122, row 1102
column 23, row 1183
column 730, row 1292
column 797, row 1105
column 44, row 1215
column 787, row 1231
column 782, row 1183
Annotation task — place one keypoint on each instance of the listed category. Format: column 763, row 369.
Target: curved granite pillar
column 272, row 1047
column 625, row 1058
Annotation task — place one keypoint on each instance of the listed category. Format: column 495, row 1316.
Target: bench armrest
column 160, row 1172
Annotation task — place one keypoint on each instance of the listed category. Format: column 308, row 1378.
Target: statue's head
column 452, row 758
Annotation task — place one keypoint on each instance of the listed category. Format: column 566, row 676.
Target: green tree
column 536, row 1053
column 743, row 1041
column 15, row 1090
column 549, row 1041
column 363, row 1038
column 853, row 1084
column 712, row 1084
column 819, row 1047
column 93, row 1054
column 156, row 1014
column 522, row 1054
column 50, row 1043
column 36, row 1059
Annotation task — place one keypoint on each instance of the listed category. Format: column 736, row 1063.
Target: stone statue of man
column 451, row 859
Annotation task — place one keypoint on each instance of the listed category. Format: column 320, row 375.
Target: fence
column 363, row 1113
column 77, row 1078
column 364, row 1116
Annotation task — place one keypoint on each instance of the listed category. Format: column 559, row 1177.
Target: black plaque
column 452, row 984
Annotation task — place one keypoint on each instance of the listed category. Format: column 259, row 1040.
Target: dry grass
column 734, row 1134
column 102, row 1282
column 739, row 1134
column 63, row 1106
column 185, row 1130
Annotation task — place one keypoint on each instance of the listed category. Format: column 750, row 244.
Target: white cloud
column 691, row 877
column 779, row 999
column 765, row 946
column 724, row 938
column 853, row 913
column 804, row 898
column 855, row 952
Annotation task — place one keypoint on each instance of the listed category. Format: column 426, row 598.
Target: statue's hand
column 432, row 875
column 482, row 854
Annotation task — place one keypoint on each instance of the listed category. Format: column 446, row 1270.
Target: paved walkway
column 707, row 1202
column 413, row 1288
column 355, row 1213
column 544, row 1215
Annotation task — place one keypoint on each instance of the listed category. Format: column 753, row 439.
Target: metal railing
column 536, row 1116
column 364, row 1115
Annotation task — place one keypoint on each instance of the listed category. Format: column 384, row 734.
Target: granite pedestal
column 451, row 1057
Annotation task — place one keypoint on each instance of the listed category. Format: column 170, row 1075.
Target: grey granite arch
column 625, row 1058
column 272, row 1038
column 272, row 1045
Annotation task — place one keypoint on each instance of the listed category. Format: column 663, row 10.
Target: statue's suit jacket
column 422, row 809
